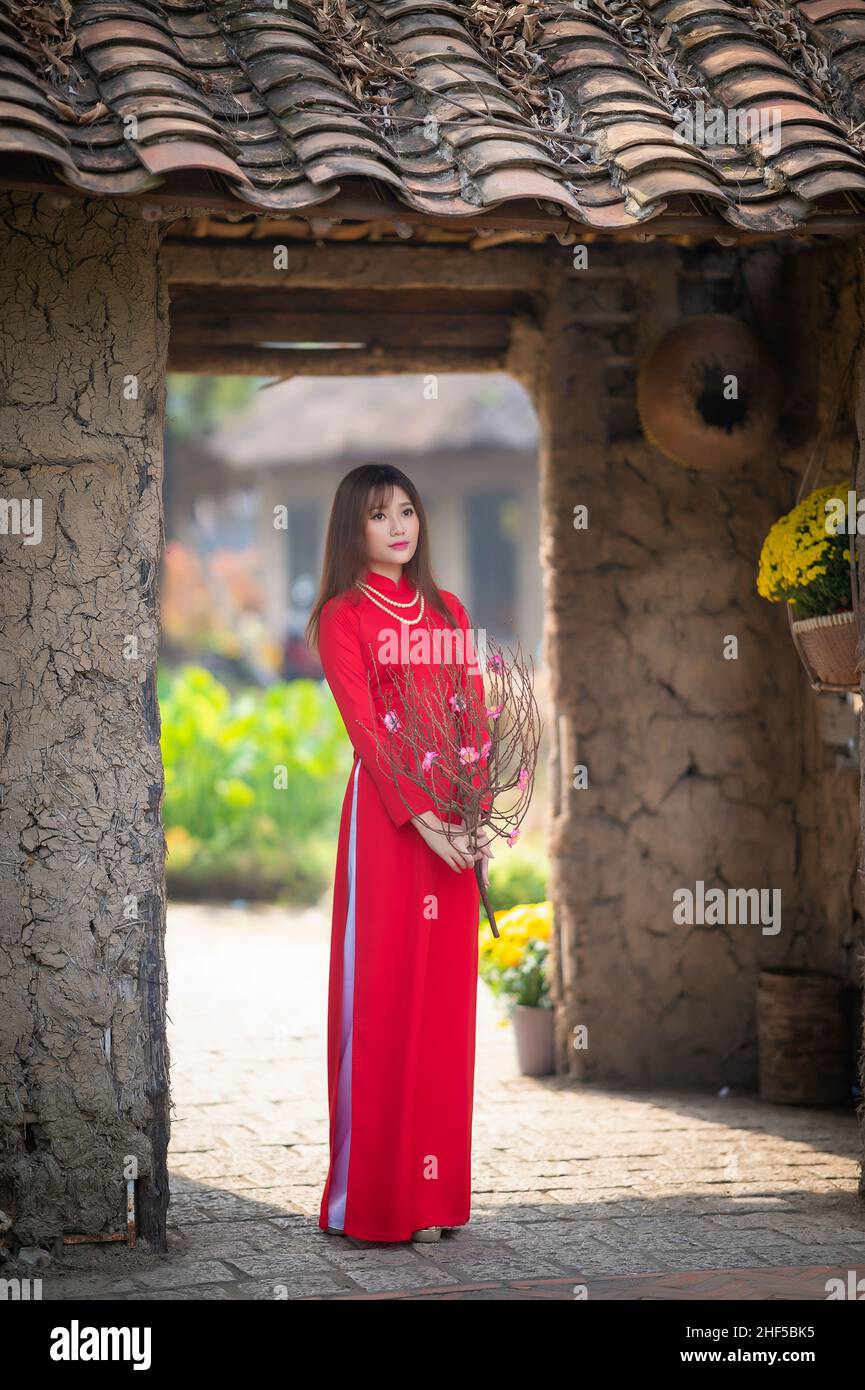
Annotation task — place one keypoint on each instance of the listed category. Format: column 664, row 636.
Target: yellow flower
column 799, row 549
column 181, row 847
column 523, row 923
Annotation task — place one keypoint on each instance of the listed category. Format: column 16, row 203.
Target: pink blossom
column 485, row 747
column 428, row 759
column 391, row 721
column 513, row 837
column 524, row 776
column 456, row 702
column 494, row 662
column 469, row 755
column 495, row 712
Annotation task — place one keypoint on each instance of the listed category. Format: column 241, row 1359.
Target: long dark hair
column 361, row 491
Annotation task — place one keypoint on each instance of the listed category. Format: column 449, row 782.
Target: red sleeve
column 478, row 729
column 345, row 673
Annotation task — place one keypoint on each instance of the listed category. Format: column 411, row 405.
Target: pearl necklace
column 374, row 598
column 367, row 588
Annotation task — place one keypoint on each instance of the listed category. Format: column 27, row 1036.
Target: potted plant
column 805, row 563
column 514, row 966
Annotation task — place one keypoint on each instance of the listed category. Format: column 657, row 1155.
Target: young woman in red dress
column 404, row 942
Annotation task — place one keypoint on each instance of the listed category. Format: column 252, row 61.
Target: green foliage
column 196, row 404
column 517, row 876
column 231, row 832
column 253, row 784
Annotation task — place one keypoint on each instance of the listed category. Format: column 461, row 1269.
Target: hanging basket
column 828, row 647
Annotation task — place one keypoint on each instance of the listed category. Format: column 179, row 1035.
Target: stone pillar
column 84, row 1098
column 695, row 762
column 859, row 419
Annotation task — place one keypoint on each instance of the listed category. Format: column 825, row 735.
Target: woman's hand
column 454, row 851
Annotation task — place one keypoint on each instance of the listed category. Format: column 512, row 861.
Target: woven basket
column 801, row 1038
column 829, row 648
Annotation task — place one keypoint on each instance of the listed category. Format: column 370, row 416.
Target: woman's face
column 391, row 531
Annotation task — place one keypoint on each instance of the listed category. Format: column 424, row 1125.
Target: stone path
column 635, row 1195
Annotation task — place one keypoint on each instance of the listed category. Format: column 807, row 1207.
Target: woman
column 403, row 964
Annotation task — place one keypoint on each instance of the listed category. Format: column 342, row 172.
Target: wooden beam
column 223, row 325
column 339, row 264
column 287, row 362
column 226, row 301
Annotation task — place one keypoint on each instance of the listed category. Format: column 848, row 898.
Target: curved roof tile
column 611, row 113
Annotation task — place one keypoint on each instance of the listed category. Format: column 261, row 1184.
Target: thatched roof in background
column 447, row 110
column 323, row 420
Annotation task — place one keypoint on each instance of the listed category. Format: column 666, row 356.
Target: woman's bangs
column 378, row 497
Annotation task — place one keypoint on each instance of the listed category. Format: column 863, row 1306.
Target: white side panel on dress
column 342, row 1136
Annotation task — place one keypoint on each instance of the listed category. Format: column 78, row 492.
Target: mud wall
column 700, row 768
column 83, row 1062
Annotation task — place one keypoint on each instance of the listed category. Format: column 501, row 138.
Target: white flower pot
column 533, row 1029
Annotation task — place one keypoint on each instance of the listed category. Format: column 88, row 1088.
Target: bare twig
column 472, row 750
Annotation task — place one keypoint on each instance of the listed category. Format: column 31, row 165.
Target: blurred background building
column 248, row 493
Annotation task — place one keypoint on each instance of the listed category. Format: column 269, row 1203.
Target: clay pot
column 681, row 394
column 533, row 1029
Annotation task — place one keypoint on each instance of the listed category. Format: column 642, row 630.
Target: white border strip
column 342, row 1135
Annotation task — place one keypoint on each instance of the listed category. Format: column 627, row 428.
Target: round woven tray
column 829, row 645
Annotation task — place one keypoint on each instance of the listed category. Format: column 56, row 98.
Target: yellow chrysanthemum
column 803, row 547
column 517, row 927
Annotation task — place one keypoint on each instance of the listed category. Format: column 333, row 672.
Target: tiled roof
column 449, row 109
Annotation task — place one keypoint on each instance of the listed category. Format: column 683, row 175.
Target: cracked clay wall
column 699, row 767
column 83, row 1062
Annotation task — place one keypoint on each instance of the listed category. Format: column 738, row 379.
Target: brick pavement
column 635, row 1195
